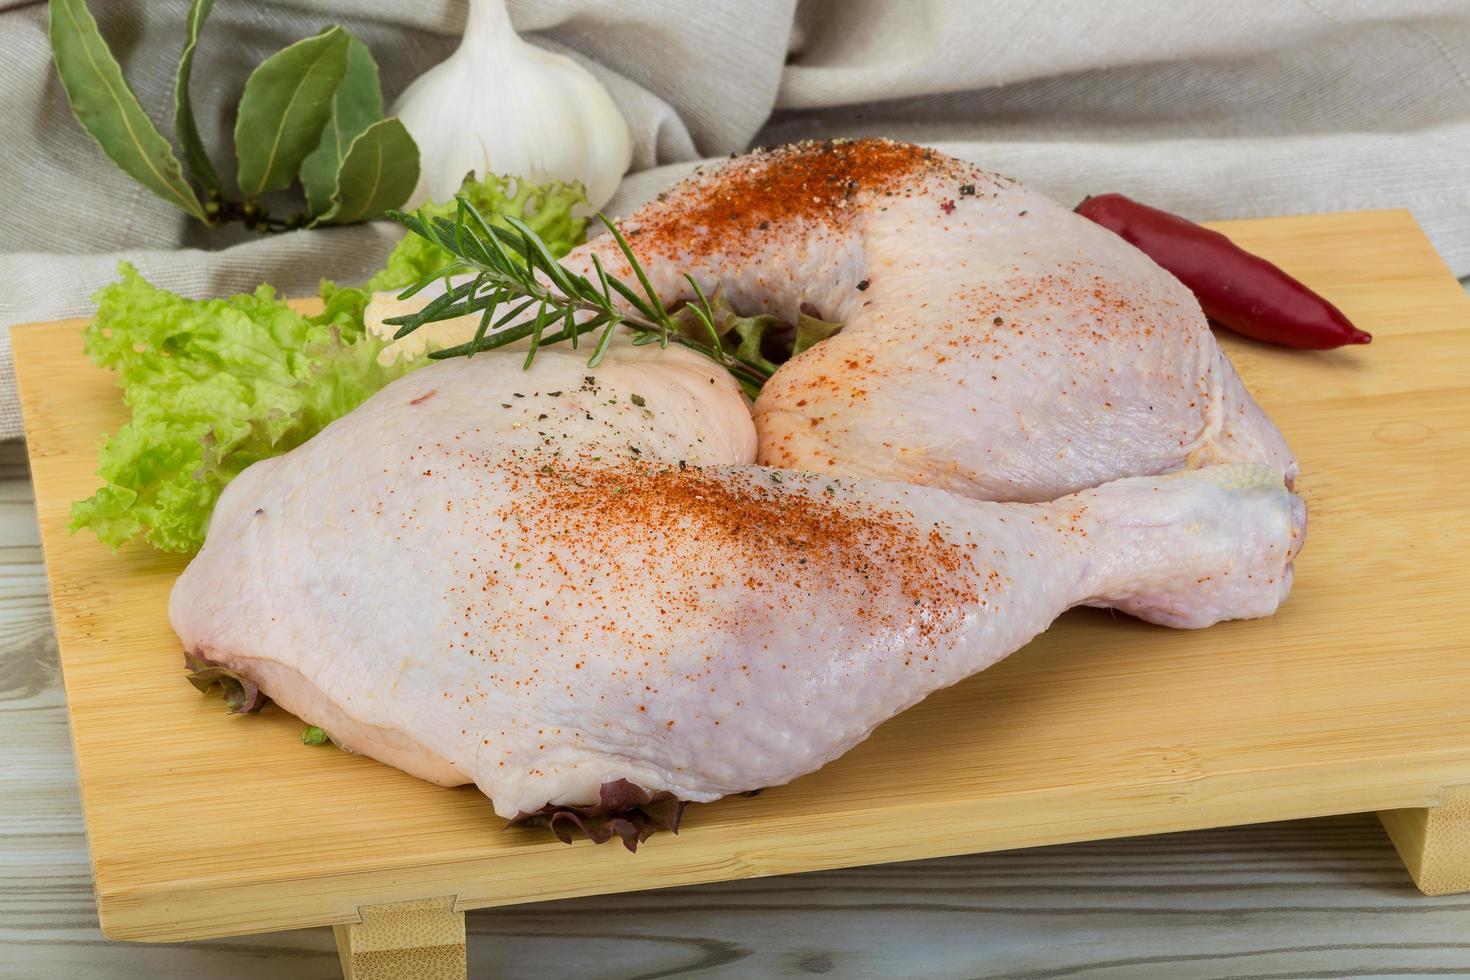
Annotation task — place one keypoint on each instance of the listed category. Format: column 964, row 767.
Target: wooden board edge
column 1102, row 813
column 22, row 337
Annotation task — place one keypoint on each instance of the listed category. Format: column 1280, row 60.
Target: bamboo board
column 1355, row 697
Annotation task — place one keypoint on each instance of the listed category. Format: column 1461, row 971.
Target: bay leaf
column 356, row 105
column 379, row 172
column 185, row 128
column 286, row 103
column 109, row 110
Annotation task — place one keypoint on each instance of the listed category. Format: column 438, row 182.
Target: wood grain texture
column 1325, row 898
column 422, row 940
column 1353, row 698
column 1435, row 842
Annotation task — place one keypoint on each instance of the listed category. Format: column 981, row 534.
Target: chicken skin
column 994, row 343
column 547, row 582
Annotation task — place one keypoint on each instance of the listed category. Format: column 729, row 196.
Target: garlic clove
column 427, row 338
column 500, row 105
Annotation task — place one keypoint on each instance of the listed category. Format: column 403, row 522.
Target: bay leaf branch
column 108, row 109
column 356, row 105
column 379, row 172
column 286, row 103
column 185, row 128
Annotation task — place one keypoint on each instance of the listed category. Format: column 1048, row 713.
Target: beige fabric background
column 1211, row 109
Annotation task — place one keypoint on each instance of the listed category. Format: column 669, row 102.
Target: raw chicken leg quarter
column 575, row 598
column 994, row 343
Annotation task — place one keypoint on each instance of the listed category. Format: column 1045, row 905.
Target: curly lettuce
column 546, row 208
column 215, row 385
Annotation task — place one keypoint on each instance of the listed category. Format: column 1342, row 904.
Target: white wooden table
column 1324, row 898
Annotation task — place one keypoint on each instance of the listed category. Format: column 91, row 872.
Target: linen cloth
column 1213, row 110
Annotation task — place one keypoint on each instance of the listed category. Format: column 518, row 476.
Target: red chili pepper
column 1237, row 290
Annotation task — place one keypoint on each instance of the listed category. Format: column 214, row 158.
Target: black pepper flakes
column 863, row 284
column 967, row 190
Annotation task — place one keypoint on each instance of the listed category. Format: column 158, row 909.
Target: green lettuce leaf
column 213, row 385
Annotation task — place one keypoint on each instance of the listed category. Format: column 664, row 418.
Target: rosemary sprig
column 512, row 271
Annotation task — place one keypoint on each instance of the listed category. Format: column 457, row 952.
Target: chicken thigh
column 995, row 343
column 555, row 582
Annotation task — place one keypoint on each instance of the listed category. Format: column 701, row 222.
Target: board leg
column 1434, row 842
column 421, row 940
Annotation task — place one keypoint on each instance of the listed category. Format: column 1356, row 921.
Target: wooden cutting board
column 1355, row 697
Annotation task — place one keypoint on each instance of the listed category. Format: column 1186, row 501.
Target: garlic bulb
column 501, row 106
